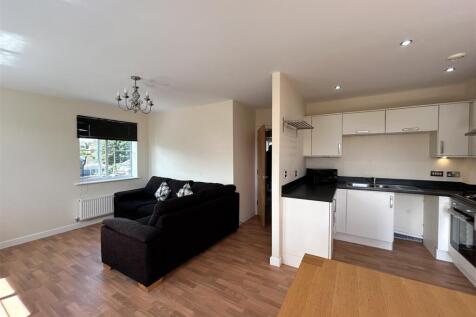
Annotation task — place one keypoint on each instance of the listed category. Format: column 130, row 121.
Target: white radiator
column 95, row 207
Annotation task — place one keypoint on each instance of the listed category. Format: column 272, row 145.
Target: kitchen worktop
column 302, row 189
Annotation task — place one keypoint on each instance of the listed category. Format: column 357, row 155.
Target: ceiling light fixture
column 450, row 69
column 338, row 87
column 136, row 104
column 456, row 56
column 406, row 42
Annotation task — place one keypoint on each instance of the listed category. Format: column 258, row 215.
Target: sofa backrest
column 153, row 184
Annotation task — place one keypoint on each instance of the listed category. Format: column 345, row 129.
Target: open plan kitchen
column 386, row 189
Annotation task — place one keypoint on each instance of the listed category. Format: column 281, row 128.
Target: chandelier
column 135, row 103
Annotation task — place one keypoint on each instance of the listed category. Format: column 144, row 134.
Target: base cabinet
column 365, row 217
column 307, row 228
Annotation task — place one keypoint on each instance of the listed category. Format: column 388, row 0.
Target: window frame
column 104, row 168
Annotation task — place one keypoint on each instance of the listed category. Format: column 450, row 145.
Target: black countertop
column 302, row 189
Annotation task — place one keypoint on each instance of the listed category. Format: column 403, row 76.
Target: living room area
column 192, row 159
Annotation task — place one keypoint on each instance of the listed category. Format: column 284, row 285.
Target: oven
column 463, row 230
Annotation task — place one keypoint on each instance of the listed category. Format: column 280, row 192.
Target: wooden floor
column 63, row 276
column 409, row 259
column 334, row 288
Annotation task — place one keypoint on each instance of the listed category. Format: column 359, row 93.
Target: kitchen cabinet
column 369, row 218
column 453, row 123
column 306, row 138
column 307, row 228
column 327, row 135
column 412, row 119
column 365, row 122
column 472, row 125
column 341, row 210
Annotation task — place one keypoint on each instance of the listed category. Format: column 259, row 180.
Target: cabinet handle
column 442, row 147
column 362, row 131
column 391, row 201
column 339, row 148
column 410, row 129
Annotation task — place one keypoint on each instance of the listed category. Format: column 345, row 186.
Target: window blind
column 105, row 129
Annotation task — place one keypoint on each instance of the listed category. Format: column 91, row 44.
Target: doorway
column 265, row 150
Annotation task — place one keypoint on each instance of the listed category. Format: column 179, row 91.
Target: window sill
column 98, row 181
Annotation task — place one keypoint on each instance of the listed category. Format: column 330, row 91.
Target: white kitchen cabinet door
column 412, row 119
column 306, row 229
column 341, row 210
column 306, row 138
column 327, row 135
column 370, row 214
column 365, row 122
column 453, row 124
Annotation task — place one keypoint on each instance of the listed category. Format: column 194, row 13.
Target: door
column 453, row 124
column 413, row 119
column 261, row 143
column 370, row 214
column 368, row 122
column 327, row 135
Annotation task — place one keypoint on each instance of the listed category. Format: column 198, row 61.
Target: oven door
column 463, row 235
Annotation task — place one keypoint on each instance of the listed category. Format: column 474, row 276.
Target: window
column 107, row 159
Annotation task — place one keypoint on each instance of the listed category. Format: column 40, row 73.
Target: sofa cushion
column 131, row 229
column 186, row 190
column 153, row 184
column 173, row 205
column 130, row 206
column 144, row 220
column 146, row 210
column 201, row 186
column 163, row 192
column 175, row 185
column 215, row 192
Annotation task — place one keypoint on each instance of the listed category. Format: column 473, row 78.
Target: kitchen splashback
column 394, row 156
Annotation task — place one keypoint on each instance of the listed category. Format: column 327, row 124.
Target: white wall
column 39, row 162
column 404, row 156
column 211, row 143
column 287, row 151
column 244, row 158
column 193, row 143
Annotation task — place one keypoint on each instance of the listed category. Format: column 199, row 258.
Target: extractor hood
column 471, row 132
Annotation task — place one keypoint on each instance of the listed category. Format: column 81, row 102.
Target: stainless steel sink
column 382, row 186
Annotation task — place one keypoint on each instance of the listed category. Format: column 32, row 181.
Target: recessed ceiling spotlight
column 450, row 69
column 406, row 42
column 456, row 56
column 338, row 87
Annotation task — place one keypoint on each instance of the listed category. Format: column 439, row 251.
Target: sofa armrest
column 130, row 194
column 132, row 229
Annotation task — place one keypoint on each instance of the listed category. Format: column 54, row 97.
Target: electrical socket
column 437, row 173
column 453, row 174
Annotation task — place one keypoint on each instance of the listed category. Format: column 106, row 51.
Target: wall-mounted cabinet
column 453, row 123
column 326, row 137
column 365, row 122
column 307, row 138
column 412, row 119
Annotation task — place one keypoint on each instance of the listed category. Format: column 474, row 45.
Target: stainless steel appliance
column 463, row 228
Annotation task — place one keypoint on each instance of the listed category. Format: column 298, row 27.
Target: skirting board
column 292, row 260
column 275, row 261
column 463, row 265
column 48, row 233
column 365, row 241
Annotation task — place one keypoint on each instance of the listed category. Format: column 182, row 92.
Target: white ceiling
column 195, row 52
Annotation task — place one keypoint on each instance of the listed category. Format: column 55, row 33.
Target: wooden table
column 332, row 288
